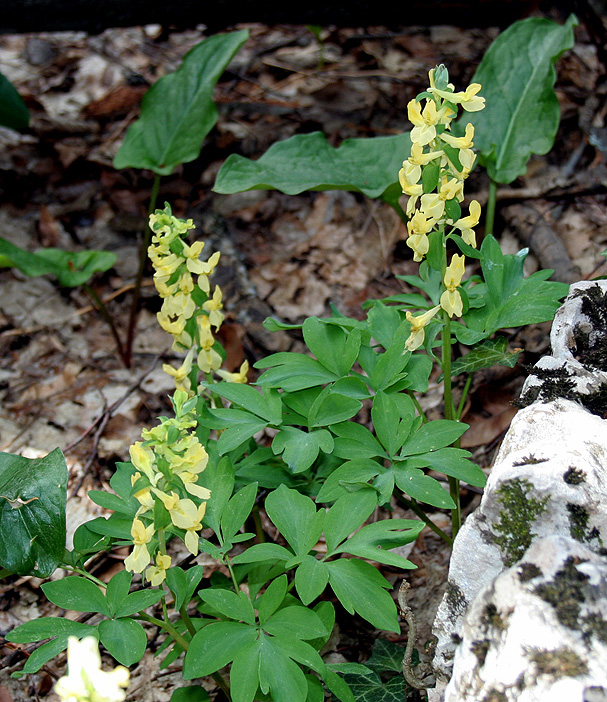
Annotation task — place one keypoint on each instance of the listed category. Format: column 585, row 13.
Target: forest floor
column 62, row 382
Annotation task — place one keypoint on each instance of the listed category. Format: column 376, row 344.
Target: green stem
column 228, row 562
column 418, row 407
column 490, row 212
column 103, row 311
column 398, row 209
column 143, row 254
column 167, row 626
column 183, row 613
column 456, row 515
column 460, row 407
column 261, row 535
column 412, row 505
column 221, row 681
column 83, row 572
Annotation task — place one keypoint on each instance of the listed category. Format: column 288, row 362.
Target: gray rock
column 538, row 632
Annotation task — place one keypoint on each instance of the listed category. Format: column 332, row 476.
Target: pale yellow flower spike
column 157, row 573
column 451, row 300
column 469, row 100
column 424, row 121
column 417, row 335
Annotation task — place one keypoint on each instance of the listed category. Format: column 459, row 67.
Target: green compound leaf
column 522, row 113
column 32, row 513
column 299, row 448
column 13, row 112
column 490, row 352
column 214, row 646
column 70, row 268
column 296, row 517
column 124, row 639
column 178, row 111
column 374, row 541
column 309, row 162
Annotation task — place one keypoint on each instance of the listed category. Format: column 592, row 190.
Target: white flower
column 85, row 681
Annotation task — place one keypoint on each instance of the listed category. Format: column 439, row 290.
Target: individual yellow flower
column 239, row 377
column 157, row 573
column 419, row 158
column 189, row 483
column 187, row 516
column 85, row 680
column 143, row 458
column 169, row 501
column 179, row 304
column 180, row 375
column 472, row 219
column 139, row 557
column 409, row 177
column 419, row 224
column 469, row 100
column 213, row 307
column 419, row 244
column 209, row 360
column 451, row 188
column 451, row 300
column 432, row 206
column 464, row 142
column 172, row 326
column 417, row 335
column 424, row 121
column 205, row 335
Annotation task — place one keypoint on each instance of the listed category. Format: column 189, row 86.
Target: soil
column 62, row 382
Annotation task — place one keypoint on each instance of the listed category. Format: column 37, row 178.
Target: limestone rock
column 538, row 632
column 550, row 477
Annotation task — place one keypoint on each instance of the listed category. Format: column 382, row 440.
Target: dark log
column 93, row 16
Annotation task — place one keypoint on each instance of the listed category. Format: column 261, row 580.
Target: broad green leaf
column 70, row 268
column 237, row 510
column 244, row 675
column 231, row 604
column 240, row 426
column 272, row 598
column 249, row 399
column 309, row 162
column 296, row 517
column 338, row 686
column 183, row 583
column 386, row 422
column 178, row 111
column 346, row 515
column 383, row 322
column 297, row 621
column 434, row 435
column 193, row 693
column 522, row 113
column 355, row 441
column 311, row 578
column 47, row 627
column 300, row 651
column 138, row 601
column 76, row 593
column 263, row 552
column 352, row 473
column 117, row 590
column 360, row 588
column 489, row 352
column 423, row 488
column 114, row 526
column 293, row 371
column 453, row 462
column 43, row 654
column 280, row 675
column 124, row 639
column 331, row 407
column 335, row 348
column 511, row 299
column 371, row 688
column 214, row 646
column 316, row 692
column 32, row 513
column 218, row 477
column 13, row 112
column 374, row 540
column 300, row 448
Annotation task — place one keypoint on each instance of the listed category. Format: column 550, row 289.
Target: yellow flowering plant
column 293, row 446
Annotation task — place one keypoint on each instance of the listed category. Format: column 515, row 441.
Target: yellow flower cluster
column 433, row 178
column 167, row 466
column 188, row 310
